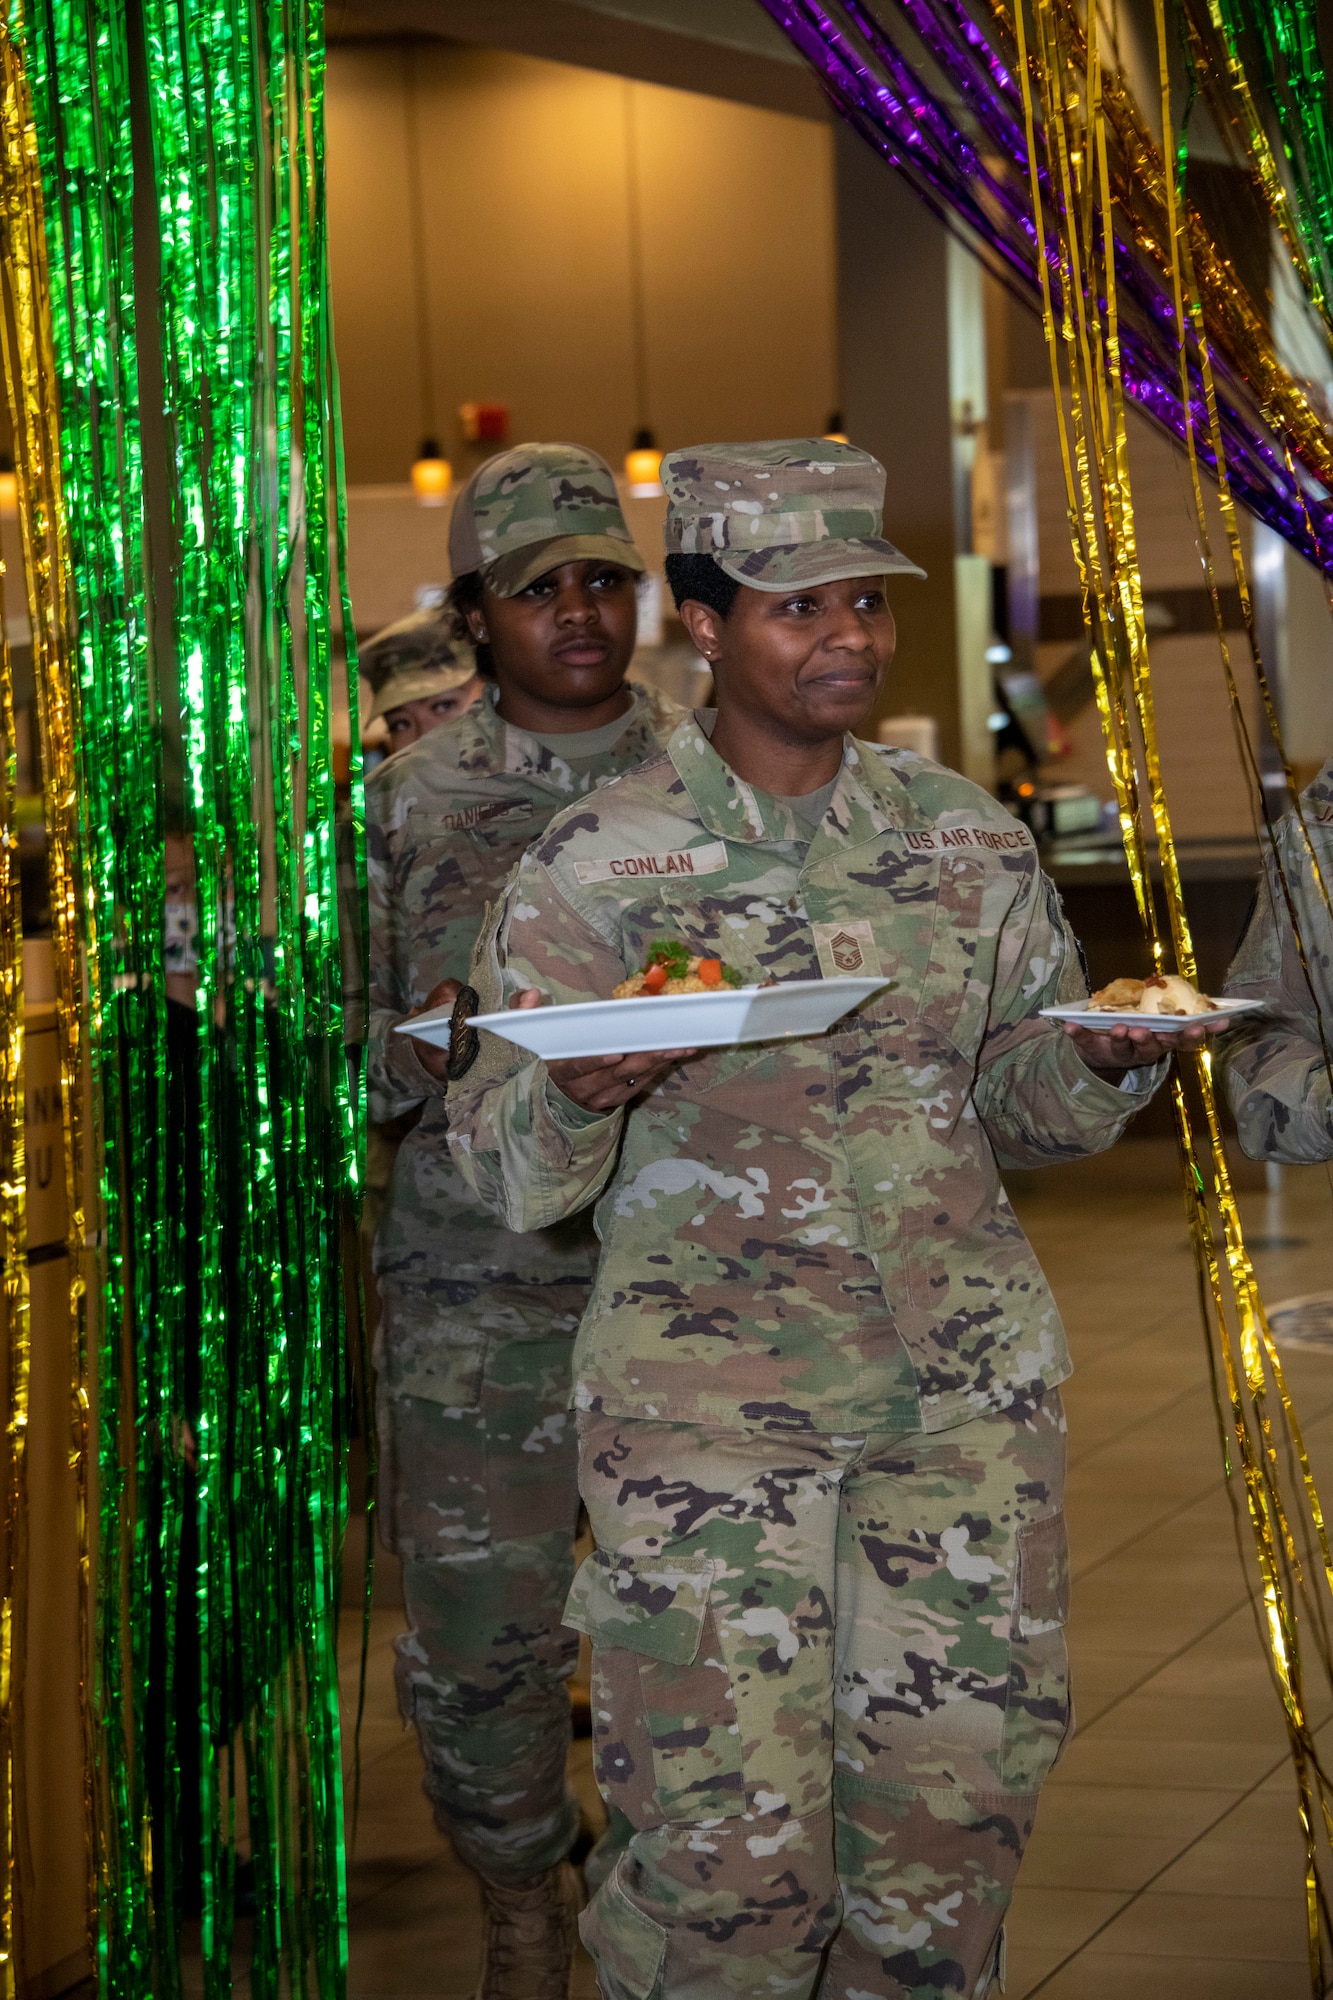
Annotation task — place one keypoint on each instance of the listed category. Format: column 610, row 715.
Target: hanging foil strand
column 29, row 372
column 13, row 1246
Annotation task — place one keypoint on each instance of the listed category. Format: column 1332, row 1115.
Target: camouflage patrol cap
column 413, row 659
column 530, row 509
column 780, row 514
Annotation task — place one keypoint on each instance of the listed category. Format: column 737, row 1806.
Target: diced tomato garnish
column 655, row 978
column 710, row 971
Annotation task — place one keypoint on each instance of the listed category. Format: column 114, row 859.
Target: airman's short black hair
column 704, row 580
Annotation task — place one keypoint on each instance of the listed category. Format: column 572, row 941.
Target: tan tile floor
column 1166, row 1863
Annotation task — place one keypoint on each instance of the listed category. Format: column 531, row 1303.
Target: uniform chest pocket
column 875, row 920
column 761, row 935
column 955, row 988
column 506, row 832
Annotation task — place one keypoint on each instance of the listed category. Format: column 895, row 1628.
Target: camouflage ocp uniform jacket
column 808, row 1235
column 446, row 820
column 1275, row 1067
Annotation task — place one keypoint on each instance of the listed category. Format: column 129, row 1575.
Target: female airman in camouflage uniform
column 478, row 1466
column 821, row 1440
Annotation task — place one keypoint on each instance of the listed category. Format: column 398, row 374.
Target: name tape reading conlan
column 707, row 860
column 944, row 839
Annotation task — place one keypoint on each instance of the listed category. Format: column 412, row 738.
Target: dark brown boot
column 529, row 1937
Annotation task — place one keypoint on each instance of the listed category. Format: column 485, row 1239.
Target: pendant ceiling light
column 643, row 466
column 432, row 474
column 643, row 461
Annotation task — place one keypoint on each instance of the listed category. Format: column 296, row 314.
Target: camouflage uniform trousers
column 479, row 1499
column 829, row 1678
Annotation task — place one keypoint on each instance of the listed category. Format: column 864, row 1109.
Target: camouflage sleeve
column 1274, row 1066
column 351, row 926
column 531, row 1153
column 1036, row 1097
column 395, row 1079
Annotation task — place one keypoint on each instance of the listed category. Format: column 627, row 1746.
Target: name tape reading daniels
column 708, row 860
column 477, row 815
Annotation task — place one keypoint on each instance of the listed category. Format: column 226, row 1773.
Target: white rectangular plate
column 433, row 1028
column 1096, row 1017
column 680, row 1020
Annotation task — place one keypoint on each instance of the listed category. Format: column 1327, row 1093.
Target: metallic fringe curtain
column 164, row 251
column 1059, row 183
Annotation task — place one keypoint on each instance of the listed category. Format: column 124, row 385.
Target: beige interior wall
column 528, row 255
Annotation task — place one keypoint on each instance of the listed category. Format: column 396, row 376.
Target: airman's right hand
column 435, row 1060
column 606, row 1083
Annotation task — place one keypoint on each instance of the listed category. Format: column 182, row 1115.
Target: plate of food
column 680, row 1001
column 1163, row 1001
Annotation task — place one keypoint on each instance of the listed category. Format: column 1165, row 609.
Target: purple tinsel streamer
column 879, row 91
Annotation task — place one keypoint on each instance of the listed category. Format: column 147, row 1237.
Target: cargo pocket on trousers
column 424, row 1350
column 665, row 1730
column 1038, row 1714
column 628, row 1947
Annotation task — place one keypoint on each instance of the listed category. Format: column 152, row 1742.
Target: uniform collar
column 869, row 798
column 494, row 748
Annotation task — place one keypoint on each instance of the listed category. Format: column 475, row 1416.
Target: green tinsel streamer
column 1291, row 62
column 208, row 701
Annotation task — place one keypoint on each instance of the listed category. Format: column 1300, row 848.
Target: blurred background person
column 1277, row 1063
column 420, row 674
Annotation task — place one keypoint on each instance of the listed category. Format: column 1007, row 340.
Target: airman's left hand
column 1114, row 1050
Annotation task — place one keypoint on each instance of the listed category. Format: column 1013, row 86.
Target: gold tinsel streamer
column 1078, row 99
column 30, row 385
column 17, row 1340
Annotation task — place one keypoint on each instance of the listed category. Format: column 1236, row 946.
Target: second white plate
column 1097, row 1017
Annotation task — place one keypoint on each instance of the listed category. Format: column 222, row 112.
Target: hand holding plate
column 433, row 1059
column 1125, row 1046
column 605, row 1083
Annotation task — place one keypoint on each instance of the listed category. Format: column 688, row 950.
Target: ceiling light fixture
column 643, row 461
column 432, row 474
